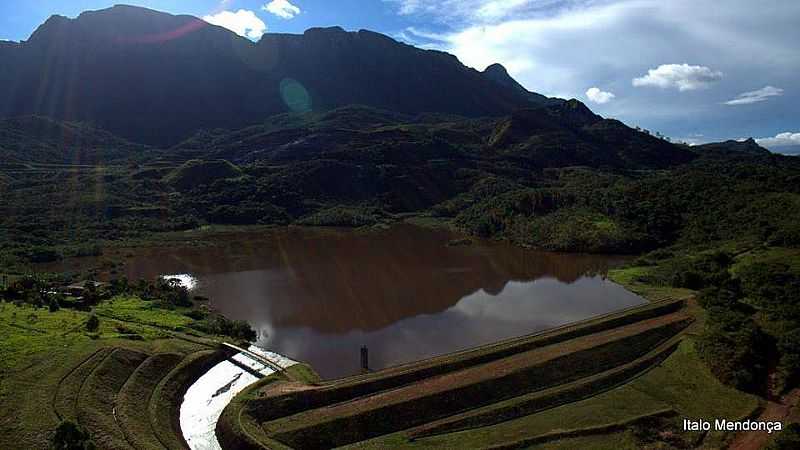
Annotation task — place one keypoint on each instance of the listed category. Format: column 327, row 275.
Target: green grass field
column 138, row 311
column 631, row 277
column 51, row 367
column 788, row 256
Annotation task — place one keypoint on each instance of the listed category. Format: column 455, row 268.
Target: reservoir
column 406, row 293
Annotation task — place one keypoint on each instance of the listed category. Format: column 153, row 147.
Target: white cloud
column 242, row 22
column 597, row 96
column 760, row 95
column 282, row 8
column 781, row 140
column 681, row 76
column 561, row 47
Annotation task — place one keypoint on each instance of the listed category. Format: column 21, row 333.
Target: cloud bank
column 781, row 140
column 242, row 22
column 282, row 8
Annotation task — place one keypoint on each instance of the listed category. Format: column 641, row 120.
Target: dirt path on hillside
column 774, row 411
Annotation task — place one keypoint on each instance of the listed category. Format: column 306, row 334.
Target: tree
column 120, row 286
column 93, row 324
column 70, row 436
column 91, row 296
column 734, row 348
column 787, row 439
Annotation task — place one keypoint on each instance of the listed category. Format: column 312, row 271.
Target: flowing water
column 205, row 400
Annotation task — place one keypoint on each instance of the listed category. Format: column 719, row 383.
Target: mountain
column 144, row 75
column 157, row 78
column 499, row 74
column 568, row 134
column 748, row 146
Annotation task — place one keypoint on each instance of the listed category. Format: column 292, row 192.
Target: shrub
column 733, row 347
column 70, row 436
column 92, row 324
column 237, row 329
column 197, row 314
column 788, row 439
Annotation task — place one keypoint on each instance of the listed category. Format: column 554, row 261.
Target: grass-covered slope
column 136, row 393
column 97, row 398
column 44, row 140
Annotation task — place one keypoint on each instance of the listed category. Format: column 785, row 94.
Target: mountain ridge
column 157, row 78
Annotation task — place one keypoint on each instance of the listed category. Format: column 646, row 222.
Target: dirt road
column 774, row 411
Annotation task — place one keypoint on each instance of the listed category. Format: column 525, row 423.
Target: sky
column 694, row 70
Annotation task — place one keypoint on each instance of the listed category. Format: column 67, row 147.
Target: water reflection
column 318, row 295
column 479, row 318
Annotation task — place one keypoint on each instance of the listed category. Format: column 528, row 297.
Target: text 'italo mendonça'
column 731, row 425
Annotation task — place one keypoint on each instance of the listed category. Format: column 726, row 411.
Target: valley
column 473, row 267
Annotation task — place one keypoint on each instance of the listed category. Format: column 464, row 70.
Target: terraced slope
column 129, row 399
column 438, row 397
column 65, row 402
column 541, row 400
column 96, row 401
column 474, row 388
column 295, row 398
column 136, row 394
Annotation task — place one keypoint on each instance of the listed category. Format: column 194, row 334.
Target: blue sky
column 694, row 70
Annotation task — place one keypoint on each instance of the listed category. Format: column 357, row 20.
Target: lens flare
column 295, row 96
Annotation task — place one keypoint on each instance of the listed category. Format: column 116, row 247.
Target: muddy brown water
column 318, row 295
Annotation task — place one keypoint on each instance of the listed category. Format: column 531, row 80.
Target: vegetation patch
column 342, row 216
column 134, row 309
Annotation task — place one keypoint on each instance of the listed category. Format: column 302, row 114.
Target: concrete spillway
column 210, row 394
